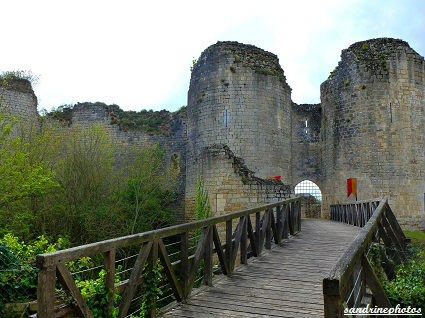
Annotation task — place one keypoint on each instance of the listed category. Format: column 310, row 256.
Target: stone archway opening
column 312, row 205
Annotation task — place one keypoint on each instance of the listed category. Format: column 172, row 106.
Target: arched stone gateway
column 312, row 205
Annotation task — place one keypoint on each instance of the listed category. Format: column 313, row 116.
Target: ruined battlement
column 235, row 54
column 375, row 60
column 19, row 100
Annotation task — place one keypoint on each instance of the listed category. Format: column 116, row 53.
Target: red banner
column 352, row 187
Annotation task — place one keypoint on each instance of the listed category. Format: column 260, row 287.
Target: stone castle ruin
column 241, row 126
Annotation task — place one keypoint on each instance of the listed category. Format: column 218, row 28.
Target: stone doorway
column 312, row 204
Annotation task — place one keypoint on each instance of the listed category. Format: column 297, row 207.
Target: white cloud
column 137, row 54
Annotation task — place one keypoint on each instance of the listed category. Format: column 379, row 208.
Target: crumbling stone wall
column 232, row 186
column 86, row 114
column 19, row 100
column 373, row 127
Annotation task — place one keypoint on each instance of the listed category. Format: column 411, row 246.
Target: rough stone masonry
column 241, row 126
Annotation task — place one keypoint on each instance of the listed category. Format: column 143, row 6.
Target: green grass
column 418, row 238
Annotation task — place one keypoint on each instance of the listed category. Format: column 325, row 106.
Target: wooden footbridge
column 260, row 262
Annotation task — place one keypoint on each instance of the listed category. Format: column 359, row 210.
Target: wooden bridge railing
column 354, row 213
column 352, row 278
column 270, row 222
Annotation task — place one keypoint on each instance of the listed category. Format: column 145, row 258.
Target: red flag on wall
column 352, row 187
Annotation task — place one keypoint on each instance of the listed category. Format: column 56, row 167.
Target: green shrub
column 151, row 290
column 18, row 273
column 408, row 288
column 95, row 294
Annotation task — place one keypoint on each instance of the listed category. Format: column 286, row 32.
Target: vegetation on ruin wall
column 153, row 122
column 70, row 186
column 18, row 80
column 373, row 54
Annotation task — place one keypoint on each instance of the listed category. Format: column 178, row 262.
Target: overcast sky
column 137, row 54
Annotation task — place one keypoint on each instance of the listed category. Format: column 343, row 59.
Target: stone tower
column 373, row 126
column 18, row 99
column 239, row 97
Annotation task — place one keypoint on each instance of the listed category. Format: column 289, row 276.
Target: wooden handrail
column 354, row 213
column 346, row 283
column 359, row 201
column 272, row 222
column 51, row 259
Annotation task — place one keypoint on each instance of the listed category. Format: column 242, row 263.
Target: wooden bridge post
column 109, row 262
column 46, row 292
column 184, row 265
column 279, row 226
column 291, row 218
column 208, row 258
column 229, row 240
column 285, row 233
column 268, row 243
column 332, row 298
column 299, row 215
column 151, row 265
column 244, row 241
column 258, row 232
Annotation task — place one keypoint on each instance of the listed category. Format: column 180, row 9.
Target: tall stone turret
column 18, row 99
column 373, row 126
column 239, row 97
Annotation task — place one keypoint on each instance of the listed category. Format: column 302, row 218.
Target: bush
column 151, row 290
column 18, row 274
column 408, row 288
column 95, row 294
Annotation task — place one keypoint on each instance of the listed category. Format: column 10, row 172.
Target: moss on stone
column 152, row 122
column 264, row 71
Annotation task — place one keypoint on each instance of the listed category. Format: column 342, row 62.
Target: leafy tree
column 150, row 188
column 22, row 181
column 83, row 160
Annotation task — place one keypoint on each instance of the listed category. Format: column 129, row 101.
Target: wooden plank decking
column 283, row 282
